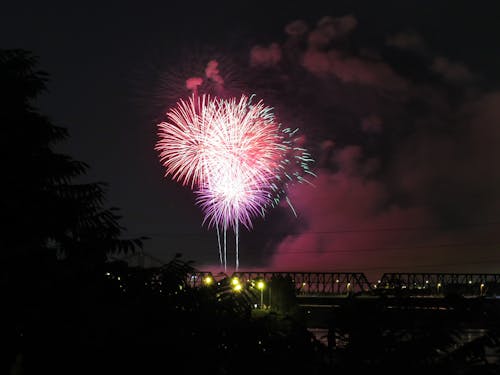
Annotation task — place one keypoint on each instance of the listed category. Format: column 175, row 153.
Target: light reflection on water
column 468, row 335
column 320, row 334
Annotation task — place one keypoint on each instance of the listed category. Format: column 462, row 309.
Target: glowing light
column 234, row 155
column 208, row 280
column 261, row 285
column 236, row 285
column 237, row 288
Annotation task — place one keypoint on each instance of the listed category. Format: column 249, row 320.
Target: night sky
column 398, row 102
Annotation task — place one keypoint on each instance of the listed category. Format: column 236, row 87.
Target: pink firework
column 182, row 145
column 234, row 155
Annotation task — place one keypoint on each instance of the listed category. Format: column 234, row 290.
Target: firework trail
column 234, row 155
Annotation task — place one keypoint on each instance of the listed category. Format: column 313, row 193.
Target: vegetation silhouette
column 57, row 233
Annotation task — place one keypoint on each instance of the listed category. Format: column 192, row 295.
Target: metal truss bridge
column 342, row 283
column 307, row 283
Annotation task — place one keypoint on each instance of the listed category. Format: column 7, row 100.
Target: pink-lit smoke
column 405, row 180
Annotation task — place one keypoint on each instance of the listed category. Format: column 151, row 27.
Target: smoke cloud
column 406, row 175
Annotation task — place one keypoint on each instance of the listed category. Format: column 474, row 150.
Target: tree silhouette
column 57, row 233
column 46, row 210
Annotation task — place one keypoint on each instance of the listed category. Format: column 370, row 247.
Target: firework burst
column 234, row 155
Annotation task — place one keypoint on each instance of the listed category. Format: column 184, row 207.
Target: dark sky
column 399, row 103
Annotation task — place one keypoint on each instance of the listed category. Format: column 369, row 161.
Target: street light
column 236, row 284
column 261, row 285
column 208, row 280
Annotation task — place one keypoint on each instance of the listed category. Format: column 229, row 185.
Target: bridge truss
column 339, row 283
column 306, row 283
column 474, row 284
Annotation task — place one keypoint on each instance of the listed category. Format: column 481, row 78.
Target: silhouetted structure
column 341, row 283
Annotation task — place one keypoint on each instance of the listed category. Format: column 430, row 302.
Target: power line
column 375, row 249
column 334, row 231
column 429, row 265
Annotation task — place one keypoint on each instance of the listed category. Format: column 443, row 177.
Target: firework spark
column 234, row 155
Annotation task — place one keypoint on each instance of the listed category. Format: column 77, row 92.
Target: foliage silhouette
column 47, row 211
column 57, row 233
